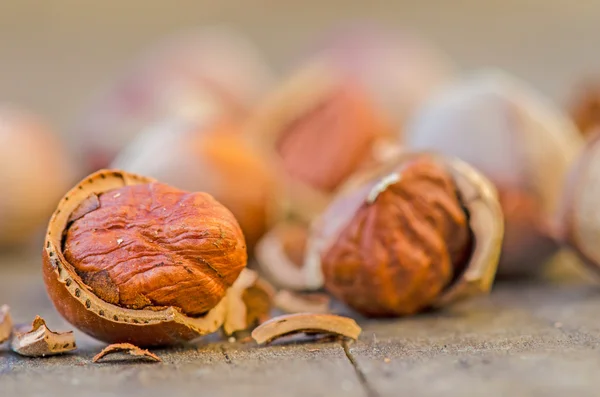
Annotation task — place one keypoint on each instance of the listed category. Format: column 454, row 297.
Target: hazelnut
column 419, row 231
column 206, row 72
column 34, row 172
column 212, row 158
column 578, row 217
column 127, row 259
column 520, row 142
column 321, row 127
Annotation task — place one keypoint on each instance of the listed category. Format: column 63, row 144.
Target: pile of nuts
column 217, row 206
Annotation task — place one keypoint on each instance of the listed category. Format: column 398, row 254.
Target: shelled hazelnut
column 128, row 259
column 213, row 71
column 34, row 172
column 418, row 232
column 520, row 142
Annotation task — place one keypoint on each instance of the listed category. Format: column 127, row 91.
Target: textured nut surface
column 402, row 246
column 153, row 245
column 78, row 303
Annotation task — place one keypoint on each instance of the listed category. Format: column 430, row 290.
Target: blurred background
column 200, row 95
column 55, row 54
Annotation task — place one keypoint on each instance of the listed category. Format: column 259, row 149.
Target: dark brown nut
column 209, row 72
column 578, row 220
column 306, row 122
column 214, row 159
column 39, row 341
column 585, row 107
column 126, row 348
column 127, row 259
column 279, row 327
column 418, row 232
column 520, row 142
column 34, row 172
column 6, row 324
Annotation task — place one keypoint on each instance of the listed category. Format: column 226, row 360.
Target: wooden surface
column 527, row 339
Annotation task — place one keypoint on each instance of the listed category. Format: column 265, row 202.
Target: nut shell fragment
column 78, row 303
column 126, row 348
column 6, row 325
column 298, row 302
column 281, row 326
column 41, row 341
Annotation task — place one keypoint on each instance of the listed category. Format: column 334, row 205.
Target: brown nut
column 127, row 259
column 34, row 172
column 306, row 122
column 578, row 218
column 215, row 159
column 418, row 232
column 521, row 143
column 289, row 324
column 39, row 341
column 208, row 72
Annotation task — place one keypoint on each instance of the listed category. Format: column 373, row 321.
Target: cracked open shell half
column 108, row 322
column 390, row 243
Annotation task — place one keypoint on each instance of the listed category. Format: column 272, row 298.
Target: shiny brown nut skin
column 321, row 127
column 385, row 252
column 522, row 143
column 214, row 158
column 80, row 304
column 578, row 223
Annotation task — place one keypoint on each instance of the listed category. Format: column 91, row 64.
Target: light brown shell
column 39, row 341
column 477, row 194
column 82, row 308
column 6, row 324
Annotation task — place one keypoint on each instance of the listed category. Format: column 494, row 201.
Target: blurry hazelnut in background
column 419, row 231
column 398, row 69
column 34, row 172
column 214, row 158
column 585, row 107
column 579, row 215
column 207, row 71
column 321, row 128
column 518, row 140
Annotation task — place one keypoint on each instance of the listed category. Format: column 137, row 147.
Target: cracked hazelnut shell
column 393, row 241
column 522, row 143
column 306, row 122
column 152, row 323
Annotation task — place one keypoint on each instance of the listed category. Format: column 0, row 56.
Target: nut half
column 81, row 306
